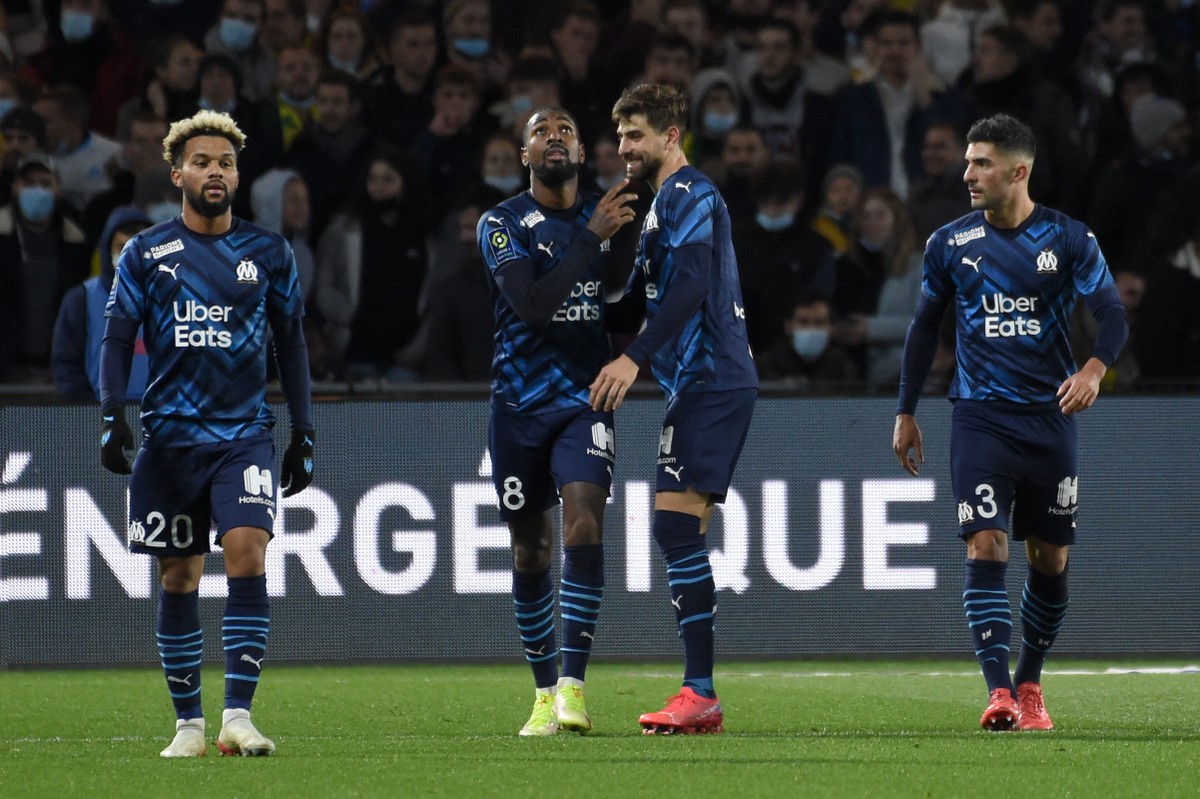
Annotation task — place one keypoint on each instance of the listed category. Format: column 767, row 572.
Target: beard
column 208, row 208
column 646, row 170
column 556, row 174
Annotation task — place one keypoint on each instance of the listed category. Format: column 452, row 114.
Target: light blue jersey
column 206, row 303
column 1014, row 293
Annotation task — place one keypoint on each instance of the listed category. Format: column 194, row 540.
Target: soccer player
column 1013, row 269
column 545, row 250
column 695, row 341
column 205, row 286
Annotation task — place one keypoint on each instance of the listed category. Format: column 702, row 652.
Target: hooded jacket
column 79, row 328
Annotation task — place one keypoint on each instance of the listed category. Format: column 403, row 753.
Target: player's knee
column 1047, row 559
column 583, row 530
column 530, row 559
column 988, row 545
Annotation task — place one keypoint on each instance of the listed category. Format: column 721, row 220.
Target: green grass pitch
column 823, row 728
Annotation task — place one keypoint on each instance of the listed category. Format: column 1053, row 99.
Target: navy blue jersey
column 1014, row 292
column 533, row 370
column 205, row 303
column 712, row 351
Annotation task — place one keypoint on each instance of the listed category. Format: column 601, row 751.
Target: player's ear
column 524, row 156
column 176, row 178
column 582, row 153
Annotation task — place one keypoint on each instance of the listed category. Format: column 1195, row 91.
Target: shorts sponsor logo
column 963, row 236
column 257, row 481
column 666, row 439
column 1068, row 497
column 604, row 441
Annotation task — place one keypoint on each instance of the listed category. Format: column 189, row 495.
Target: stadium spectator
column 715, row 110
column 80, row 154
column 398, row 102
column 24, row 134
column 346, row 43
column 89, row 51
column 1128, row 191
column 332, row 150
column 43, row 252
column 806, row 358
column 1015, row 394
column 532, row 82
column 879, row 335
column 1118, row 38
column 574, row 33
column 79, row 328
column 447, row 148
column 1042, row 23
column 879, row 125
column 780, row 256
column 736, row 42
column 236, row 36
column 1001, row 80
column 467, row 32
column 743, row 158
column 950, row 36
column 691, row 20
column 454, row 341
column 284, row 24
column 841, row 193
column 844, row 35
column 371, row 266
column 1125, row 371
column 500, row 165
column 822, row 74
column 606, row 162
column 139, row 177
column 172, row 90
column 669, row 59
column 1168, row 341
column 939, row 196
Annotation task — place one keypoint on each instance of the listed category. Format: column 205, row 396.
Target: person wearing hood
column 79, row 329
column 280, row 201
column 716, row 109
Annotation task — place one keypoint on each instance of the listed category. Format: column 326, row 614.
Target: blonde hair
column 201, row 123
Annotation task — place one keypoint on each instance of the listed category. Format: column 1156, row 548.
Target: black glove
column 116, row 442
column 297, row 470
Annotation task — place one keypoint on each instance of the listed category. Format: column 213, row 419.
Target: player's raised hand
column 612, row 211
column 905, row 437
column 116, row 443
column 297, row 469
column 1079, row 391
column 608, row 390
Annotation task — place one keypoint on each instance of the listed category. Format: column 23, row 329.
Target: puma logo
column 170, row 270
column 678, row 602
column 257, row 663
column 184, row 680
column 586, row 634
column 546, row 248
column 539, row 651
column 685, row 186
column 973, row 264
column 676, row 473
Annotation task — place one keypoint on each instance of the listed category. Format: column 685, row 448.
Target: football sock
column 989, row 619
column 533, row 605
column 693, row 594
column 1043, row 608
column 181, row 649
column 244, row 632
column 579, row 602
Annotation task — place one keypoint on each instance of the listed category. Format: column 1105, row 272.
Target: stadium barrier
column 824, row 546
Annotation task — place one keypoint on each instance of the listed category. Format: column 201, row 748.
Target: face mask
column 76, row 25
column 303, row 105
column 349, row 67
column 6, row 105
column 607, row 183
column 774, row 223
column 810, row 343
column 161, row 212
column 520, row 103
column 236, row 34
column 207, row 106
column 716, row 122
column 37, row 203
column 507, row 184
column 472, row 48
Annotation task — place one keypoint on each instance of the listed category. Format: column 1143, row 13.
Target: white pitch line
column 1109, row 672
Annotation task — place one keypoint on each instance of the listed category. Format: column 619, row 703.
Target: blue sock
column 985, row 598
column 181, row 649
column 533, row 605
column 579, row 602
column 244, row 631
column 1043, row 608
column 693, row 594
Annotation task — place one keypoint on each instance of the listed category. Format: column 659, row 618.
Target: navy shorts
column 533, row 457
column 177, row 493
column 1018, row 465
column 701, row 440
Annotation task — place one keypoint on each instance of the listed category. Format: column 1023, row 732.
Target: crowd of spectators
column 378, row 131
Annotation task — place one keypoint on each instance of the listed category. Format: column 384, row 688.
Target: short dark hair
column 776, row 24
column 584, row 9
column 1008, row 134
column 780, row 181
column 671, row 41
column 662, row 105
column 335, row 77
column 455, row 75
column 1010, row 39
